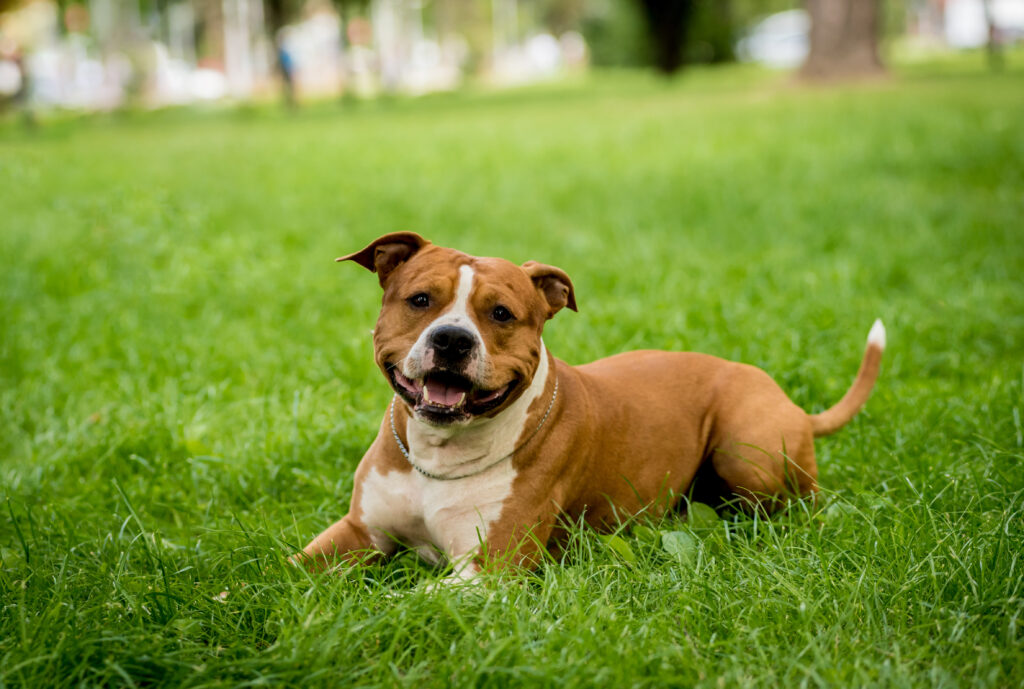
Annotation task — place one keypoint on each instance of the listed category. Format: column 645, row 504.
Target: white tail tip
column 876, row 335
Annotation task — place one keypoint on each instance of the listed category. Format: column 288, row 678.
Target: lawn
column 186, row 381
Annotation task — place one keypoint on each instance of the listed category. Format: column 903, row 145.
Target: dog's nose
column 451, row 342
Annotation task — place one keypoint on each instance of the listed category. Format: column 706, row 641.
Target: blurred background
column 95, row 55
column 187, row 378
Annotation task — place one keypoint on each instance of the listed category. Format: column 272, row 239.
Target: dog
column 491, row 445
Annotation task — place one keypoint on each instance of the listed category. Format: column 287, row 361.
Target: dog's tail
column 834, row 418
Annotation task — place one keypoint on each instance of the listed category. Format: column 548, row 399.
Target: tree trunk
column 844, row 39
column 994, row 50
column 667, row 22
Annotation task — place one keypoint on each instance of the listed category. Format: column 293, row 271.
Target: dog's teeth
column 462, row 398
column 426, row 393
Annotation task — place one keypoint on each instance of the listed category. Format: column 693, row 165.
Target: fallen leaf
column 701, row 516
column 681, row 544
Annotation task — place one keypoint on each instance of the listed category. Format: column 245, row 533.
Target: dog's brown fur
column 624, row 434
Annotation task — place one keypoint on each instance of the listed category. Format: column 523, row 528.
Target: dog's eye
column 419, row 301
column 501, row 314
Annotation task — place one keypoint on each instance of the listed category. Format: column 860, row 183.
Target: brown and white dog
column 491, row 444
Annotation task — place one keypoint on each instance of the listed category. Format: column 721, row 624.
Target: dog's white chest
column 449, row 517
column 435, row 518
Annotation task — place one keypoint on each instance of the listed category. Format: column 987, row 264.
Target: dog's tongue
column 439, row 393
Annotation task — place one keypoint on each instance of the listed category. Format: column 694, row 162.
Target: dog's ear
column 386, row 253
column 554, row 285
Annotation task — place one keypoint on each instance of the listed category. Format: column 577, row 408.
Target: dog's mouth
column 444, row 397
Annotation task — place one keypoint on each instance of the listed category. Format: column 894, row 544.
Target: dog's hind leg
column 766, row 463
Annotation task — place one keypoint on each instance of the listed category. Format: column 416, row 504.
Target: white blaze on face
column 459, row 313
column 455, row 315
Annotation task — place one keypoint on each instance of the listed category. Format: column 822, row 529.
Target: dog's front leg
column 509, row 546
column 347, row 540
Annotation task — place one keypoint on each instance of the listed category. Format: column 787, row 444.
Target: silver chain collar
column 439, row 477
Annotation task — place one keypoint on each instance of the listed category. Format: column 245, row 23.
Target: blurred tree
column 630, row 33
column 278, row 12
column 615, row 33
column 748, row 11
column 694, row 31
column 560, row 16
column 667, row 24
column 712, row 33
column 844, row 39
column 992, row 45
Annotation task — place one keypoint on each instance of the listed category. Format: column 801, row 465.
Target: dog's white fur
column 451, row 515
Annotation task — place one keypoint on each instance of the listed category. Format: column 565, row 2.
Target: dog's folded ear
column 554, row 285
column 386, row 253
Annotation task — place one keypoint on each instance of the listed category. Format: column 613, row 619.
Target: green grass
column 186, row 381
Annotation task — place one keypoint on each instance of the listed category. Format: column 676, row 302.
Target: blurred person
column 287, row 64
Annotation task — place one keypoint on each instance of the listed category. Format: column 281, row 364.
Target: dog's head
column 458, row 336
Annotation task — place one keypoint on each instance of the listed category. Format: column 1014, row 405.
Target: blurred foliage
column 560, row 16
column 712, row 33
column 615, row 33
column 749, row 11
column 616, row 30
column 280, row 12
column 618, row 36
